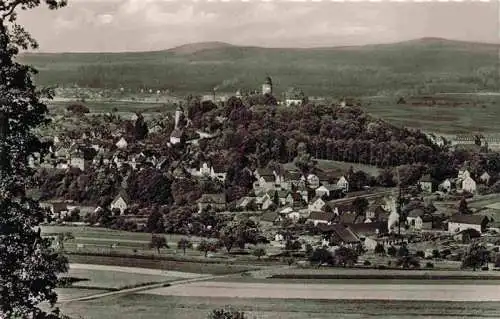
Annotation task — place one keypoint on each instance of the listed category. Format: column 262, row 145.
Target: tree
column 158, row 242
column 259, row 252
column 156, row 222
column 29, row 266
column 391, row 251
column 184, row 244
column 379, row 249
column 476, row 256
column 226, row 314
column 463, row 208
column 360, row 205
column 239, row 233
column 62, row 237
column 321, row 256
column 346, row 256
column 293, row 245
column 206, row 246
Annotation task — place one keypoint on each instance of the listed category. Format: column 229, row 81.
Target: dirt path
column 437, row 292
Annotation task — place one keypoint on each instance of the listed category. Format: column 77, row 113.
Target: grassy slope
column 367, row 70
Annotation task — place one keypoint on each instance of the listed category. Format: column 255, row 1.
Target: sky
column 146, row 25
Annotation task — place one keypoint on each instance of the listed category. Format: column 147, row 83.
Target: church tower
column 179, row 112
column 267, row 87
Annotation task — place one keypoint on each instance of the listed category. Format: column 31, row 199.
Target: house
column 121, row 202
column 55, row 207
column 210, row 171
column 319, row 217
column 270, row 218
column 316, row 204
column 425, row 183
column 246, row 203
column 266, row 180
column 485, row 178
column 376, row 212
column 313, row 181
column 469, row 185
column 343, row 183
column 465, row 236
column 176, row 136
column 369, row 229
column 339, row 235
column 427, row 222
column 459, row 222
column 122, row 143
column 414, row 219
column 215, row 201
column 445, row 186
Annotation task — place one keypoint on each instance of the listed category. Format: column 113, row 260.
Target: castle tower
column 178, row 114
column 267, row 87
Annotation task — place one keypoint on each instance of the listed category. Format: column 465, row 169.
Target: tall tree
column 28, row 265
column 360, row 205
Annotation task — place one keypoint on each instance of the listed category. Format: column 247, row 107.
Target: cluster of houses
column 462, row 183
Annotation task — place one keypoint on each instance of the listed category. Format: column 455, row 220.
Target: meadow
column 156, row 307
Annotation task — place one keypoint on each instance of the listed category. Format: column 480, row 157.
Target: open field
column 200, row 267
column 437, row 291
column 462, row 113
column 160, row 307
column 343, row 167
column 108, row 277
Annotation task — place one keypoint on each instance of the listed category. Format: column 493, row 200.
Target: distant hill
column 424, row 65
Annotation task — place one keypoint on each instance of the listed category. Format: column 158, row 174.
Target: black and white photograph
column 239, row 159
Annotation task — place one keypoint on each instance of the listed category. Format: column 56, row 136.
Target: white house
column 293, row 102
column 120, row 202
column 459, row 222
column 485, row 178
column 316, row 205
column 176, row 136
column 206, row 170
column 425, row 184
column 313, row 181
column 319, row 217
column 342, row 182
column 469, row 185
column 445, row 186
column 122, row 143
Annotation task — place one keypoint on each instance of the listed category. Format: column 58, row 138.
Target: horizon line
column 427, row 38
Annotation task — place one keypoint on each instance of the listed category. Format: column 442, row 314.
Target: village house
column 215, row 201
column 485, row 178
column 339, row 235
column 425, row 184
column 376, row 212
column 459, row 222
column 316, row 204
column 343, row 183
column 270, row 219
column 313, row 181
column 266, row 180
column 121, row 202
column 414, row 219
column 445, row 186
column 469, row 185
column 176, row 136
column 122, row 143
column 56, row 207
column 246, row 203
column 209, row 171
column 320, row 217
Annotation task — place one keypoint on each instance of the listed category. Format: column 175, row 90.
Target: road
column 433, row 292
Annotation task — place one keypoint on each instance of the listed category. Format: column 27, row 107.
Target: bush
column 420, row 254
column 367, row 263
column 429, row 265
column 380, row 249
column 436, row 254
column 391, row 251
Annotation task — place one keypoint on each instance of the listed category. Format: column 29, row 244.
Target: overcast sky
column 143, row 25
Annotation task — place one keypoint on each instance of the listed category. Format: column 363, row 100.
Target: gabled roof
column 268, row 178
column 264, row 172
column 347, row 218
column 416, row 212
column 212, row 199
column 269, row 217
column 426, row 178
column 369, row 228
column 176, row 133
column 468, row 219
column 341, row 232
column 122, row 194
column 321, row 216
